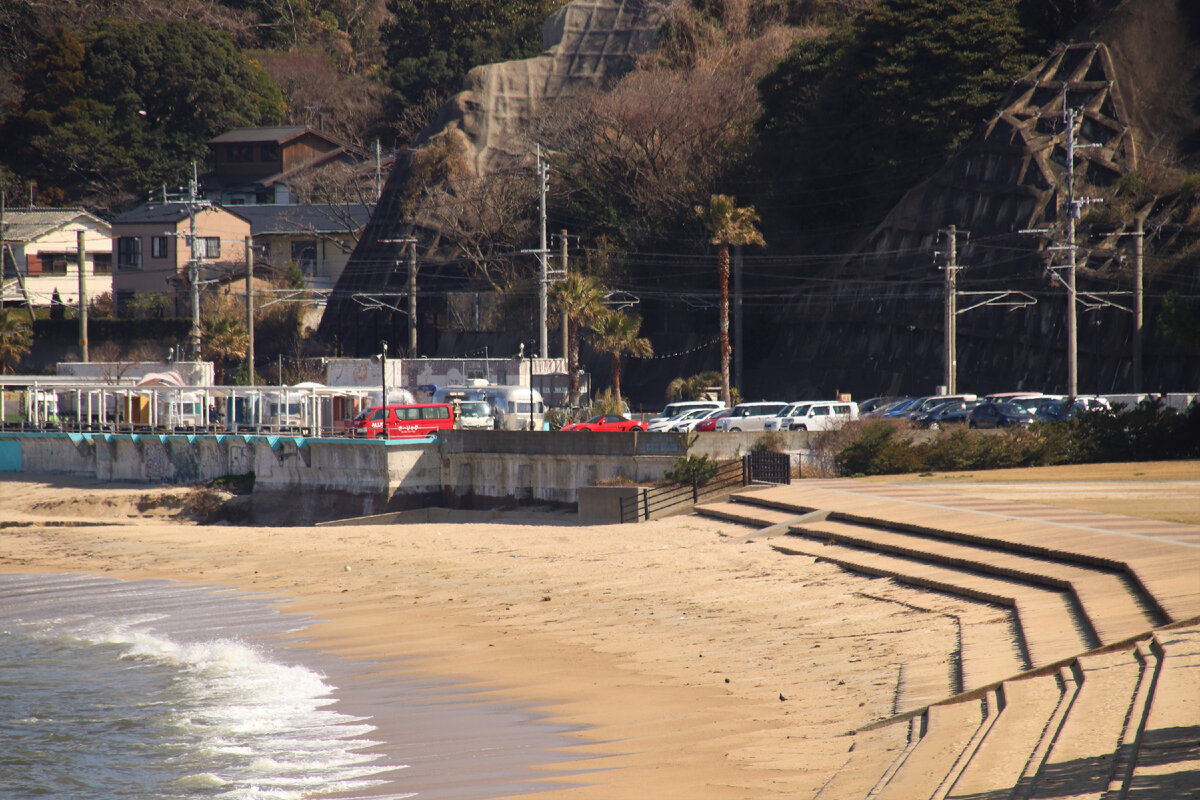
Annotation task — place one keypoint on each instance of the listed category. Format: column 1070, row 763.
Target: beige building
column 154, row 245
column 316, row 238
column 41, row 255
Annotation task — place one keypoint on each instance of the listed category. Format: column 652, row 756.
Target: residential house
column 41, row 255
column 317, row 238
column 152, row 247
column 258, row 165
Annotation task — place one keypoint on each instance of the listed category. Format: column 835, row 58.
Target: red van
column 403, row 421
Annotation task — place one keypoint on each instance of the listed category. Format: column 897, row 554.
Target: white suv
column 678, row 408
column 815, row 415
column 749, row 416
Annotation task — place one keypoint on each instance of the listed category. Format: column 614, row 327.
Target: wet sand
column 687, row 660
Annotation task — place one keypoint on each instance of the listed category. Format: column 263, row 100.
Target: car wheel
column 803, row 427
column 972, row 424
column 735, row 430
column 380, row 436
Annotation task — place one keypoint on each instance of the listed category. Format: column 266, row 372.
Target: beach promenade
column 832, row 639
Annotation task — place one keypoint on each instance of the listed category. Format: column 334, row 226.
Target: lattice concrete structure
column 586, row 43
column 1012, row 176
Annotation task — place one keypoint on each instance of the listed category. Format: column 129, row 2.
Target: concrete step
column 1081, row 759
column 744, row 513
column 1152, row 554
column 1167, row 763
column 1049, row 625
column 1030, row 707
column 949, row 734
column 1114, row 608
column 875, row 757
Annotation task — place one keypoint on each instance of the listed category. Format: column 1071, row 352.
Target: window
column 208, row 247
column 159, row 247
column 129, row 252
column 240, row 153
column 269, row 152
column 304, row 253
column 102, row 264
column 54, row 263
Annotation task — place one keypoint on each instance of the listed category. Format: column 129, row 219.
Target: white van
column 812, row 415
column 673, row 410
column 749, row 416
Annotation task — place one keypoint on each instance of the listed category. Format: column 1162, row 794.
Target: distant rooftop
column 27, row 224
column 321, row 218
column 278, row 135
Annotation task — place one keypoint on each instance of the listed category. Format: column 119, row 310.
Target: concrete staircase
column 1096, row 694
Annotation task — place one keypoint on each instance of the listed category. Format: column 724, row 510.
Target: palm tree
column 727, row 225
column 692, row 388
column 224, row 338
column 616, row 333
column 581, row 298
column 16, row 340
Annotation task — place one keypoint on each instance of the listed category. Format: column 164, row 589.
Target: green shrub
column 879, row 450
column 769, row 442
column 693, row 470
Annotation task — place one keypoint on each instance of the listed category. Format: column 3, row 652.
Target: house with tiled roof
column 253, row 166
column 154, row 246
column 40, row 250
column 317, row 238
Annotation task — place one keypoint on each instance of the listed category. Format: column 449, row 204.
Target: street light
column 383, row 373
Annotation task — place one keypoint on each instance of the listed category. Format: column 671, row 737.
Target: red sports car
column 607, row 422
column 710, row 424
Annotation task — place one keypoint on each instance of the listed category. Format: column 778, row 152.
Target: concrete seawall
column 301, row 479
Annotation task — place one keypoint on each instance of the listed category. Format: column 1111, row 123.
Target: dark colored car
column 999, row 415
column 951, row 412
column 607, row 422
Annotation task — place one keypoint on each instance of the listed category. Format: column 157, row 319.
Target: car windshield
column 799, row 411
column 595, row 419
column 1013, row 409
column 362, row 415
column 477, row 408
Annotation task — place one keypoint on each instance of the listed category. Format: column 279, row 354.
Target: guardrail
column 751, row 468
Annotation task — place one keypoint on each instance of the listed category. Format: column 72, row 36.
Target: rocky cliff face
column 586, row 43
column 1132, row 88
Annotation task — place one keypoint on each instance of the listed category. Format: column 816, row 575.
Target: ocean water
column 152, row 689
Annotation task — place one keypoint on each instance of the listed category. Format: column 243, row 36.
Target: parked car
column 814, row 415
column 899, row 410
column 872, row 403
column 1067, row 408
column 951, row 412
column 710, row 423
column 883, row 407
column 680, row 406
column 404, row 420
column 749, row 416
column 929, row 402
column 607, row 423
column 688, row 421
column 999, row 415
column 672, row 423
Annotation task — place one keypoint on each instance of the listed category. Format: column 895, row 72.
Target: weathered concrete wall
column 299, row 480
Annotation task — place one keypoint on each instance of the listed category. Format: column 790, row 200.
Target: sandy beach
column 693, row 659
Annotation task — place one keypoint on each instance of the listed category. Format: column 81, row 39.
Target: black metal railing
column 751, row 468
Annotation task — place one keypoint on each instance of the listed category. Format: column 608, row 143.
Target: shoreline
column 683, row 659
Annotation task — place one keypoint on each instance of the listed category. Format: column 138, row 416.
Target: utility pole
column 378, row 172
column 250, row 310
column 383, row 377
column 1138, row 278
column 412, row 298
column 193, row 202
column 951, row 325
column 81, row 248
column 1072, row 214
column 543, row 171
column 563, row 245
column 6, row 249
column 412, row 289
